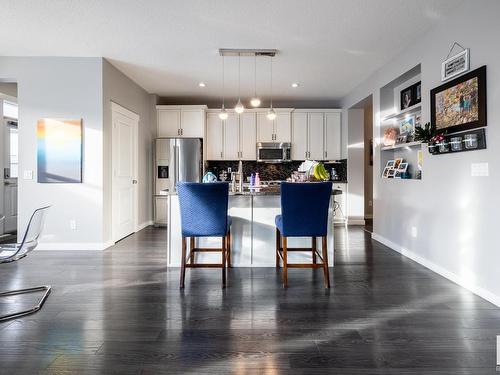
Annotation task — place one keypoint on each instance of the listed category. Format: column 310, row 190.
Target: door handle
column 134, row 182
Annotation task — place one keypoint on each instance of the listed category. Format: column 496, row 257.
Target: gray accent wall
column 120, row 89
column 446, row 221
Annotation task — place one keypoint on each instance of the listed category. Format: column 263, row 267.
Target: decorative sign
column 455, row 65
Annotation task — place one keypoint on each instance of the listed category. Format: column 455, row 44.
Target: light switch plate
column 479, row 170
column 28, row 175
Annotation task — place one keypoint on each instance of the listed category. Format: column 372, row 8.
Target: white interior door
column 124, row 169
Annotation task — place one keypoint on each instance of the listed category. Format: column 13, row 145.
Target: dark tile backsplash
column 272, row 171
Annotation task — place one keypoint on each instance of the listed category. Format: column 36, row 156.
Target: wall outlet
column 72, row 224
column 414, row 232
column 479, row 170
column 28, row 175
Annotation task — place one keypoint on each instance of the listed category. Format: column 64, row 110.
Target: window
column 14, row 154
column 10, row 109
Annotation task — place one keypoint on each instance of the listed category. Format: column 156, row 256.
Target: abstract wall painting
column 59, row 150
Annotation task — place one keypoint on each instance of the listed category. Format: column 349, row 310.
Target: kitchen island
column 253, row 231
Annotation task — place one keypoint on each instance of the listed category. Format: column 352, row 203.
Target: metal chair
column 304, row 213
column 204, row 214
column 16, row 251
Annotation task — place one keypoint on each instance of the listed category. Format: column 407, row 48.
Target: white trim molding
column 481, row 292
column 355, row 220
column 81, row 246
column 144, row 225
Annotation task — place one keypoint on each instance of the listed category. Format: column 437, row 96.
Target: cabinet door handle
column 326, row 154
column 221, row 154
column 182, row 131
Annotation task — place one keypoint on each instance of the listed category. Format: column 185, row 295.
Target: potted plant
column 429, row 134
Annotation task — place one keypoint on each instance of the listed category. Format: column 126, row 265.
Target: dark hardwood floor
column 121, row 312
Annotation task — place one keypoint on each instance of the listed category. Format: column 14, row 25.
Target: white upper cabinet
column 181, row 121
column 265, row 128
column 232, row 137
column 278, row 130
column 282, row 127
column 215, row 134
column 169, row 123
column 299, row 136
column 333, row 142
column 248, row 136
column 316, row 134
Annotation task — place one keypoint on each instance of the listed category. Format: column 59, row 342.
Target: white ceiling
column 167, row 47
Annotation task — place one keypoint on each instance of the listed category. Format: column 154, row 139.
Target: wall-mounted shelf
column 401, row 145
column 405, row 112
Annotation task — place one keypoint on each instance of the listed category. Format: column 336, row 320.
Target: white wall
column 120, row 89
column 454, row 213
column 355, row 166
column 60, row 88
column 368, row 169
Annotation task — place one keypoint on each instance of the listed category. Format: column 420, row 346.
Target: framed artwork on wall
column 59, row 151
column 460, row 104
column 411, row 96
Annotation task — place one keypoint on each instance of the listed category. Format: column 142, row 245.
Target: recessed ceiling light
column 202, row 84
column 295, row 85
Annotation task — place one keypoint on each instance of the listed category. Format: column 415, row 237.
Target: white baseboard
column 481, row 292
column 83, row 246
column 355, row 220
column 144, row 225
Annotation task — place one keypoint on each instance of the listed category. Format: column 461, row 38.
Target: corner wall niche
column 401, row 111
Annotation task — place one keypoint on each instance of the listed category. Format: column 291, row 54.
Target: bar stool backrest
column 203, row 208
column 304, row 208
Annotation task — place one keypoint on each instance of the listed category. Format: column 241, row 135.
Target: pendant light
column 239, row 108
column 255, row 101
column 223, row 115
column 271, row 114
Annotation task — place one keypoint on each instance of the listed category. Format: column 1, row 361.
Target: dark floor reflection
column 121, row 311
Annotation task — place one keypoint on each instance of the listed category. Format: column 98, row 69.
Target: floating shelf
column 405, row 112
column 401, row 145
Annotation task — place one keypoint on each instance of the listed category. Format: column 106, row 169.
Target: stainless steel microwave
column 273, row 152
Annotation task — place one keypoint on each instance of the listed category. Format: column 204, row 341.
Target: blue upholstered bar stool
column 304, row 213
column 204, row 214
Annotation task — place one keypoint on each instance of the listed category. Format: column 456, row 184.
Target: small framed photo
column 391, row 173
column 418, row 92
column 418, row 121
column 397, row 162
column 403, row 167
column 407, row 98
column 385, row 174
column 407, row 125
column 402, row 139
column 390, row 164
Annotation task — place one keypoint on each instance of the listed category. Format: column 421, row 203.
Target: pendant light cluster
column 255, row 100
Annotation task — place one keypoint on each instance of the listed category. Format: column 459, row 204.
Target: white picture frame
column 455, row 65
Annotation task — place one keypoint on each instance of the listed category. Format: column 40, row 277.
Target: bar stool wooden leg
column 183, row 262
column 278, row 247
column 326, row 270
column 224, row 240
column 191, row 252
column 285, row 263
column 313, row 247
column 228, row 248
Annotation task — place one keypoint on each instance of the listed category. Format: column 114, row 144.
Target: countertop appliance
column 273, row 152
column 176, row 159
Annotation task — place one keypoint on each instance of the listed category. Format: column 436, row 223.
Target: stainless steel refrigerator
column 176, row 159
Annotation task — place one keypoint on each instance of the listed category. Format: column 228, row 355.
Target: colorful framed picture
column 391, row 173
column 59, row 151
column 460, row 104
column 407, row 125
column 397, row 162
column 389, row 164
column 403, row 167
